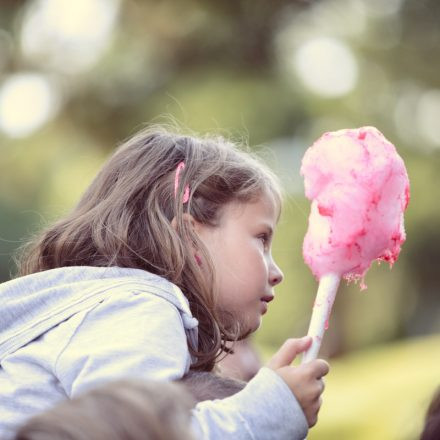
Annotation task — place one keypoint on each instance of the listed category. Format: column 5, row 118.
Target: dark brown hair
column 125, row 219
column 431, row 430
column 123, row 410
column 204, row 385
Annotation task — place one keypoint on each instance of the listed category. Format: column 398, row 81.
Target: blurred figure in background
column 431, row 430
column 130, row 410
column 243, row 363
column 204, row 385
column 122, row 410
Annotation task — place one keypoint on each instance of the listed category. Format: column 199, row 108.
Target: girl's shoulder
column 152, row 288
column 40, row 301
column 75, row 283
column 154, row 284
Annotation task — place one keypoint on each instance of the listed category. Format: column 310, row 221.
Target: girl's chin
column 247, row 326
column 253, row 327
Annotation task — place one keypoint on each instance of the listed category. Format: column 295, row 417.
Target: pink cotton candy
column 359, row 189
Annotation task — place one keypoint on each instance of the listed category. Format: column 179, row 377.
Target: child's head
column 240, row 248
column 123, row 410
column 204, row 385
column 186, row 223
column 243, row 364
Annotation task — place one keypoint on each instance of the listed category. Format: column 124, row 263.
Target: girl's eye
column 264, row 239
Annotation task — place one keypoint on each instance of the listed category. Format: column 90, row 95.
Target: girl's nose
column 275, row 275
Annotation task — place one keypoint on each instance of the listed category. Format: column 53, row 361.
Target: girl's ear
column 190, row 221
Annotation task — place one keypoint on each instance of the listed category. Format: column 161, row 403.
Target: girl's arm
column 138, row 335
column 265, row 409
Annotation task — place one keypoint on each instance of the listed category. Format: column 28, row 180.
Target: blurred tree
column 229, row 66
column 423, row 265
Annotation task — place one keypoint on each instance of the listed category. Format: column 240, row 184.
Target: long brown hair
column 125, row 219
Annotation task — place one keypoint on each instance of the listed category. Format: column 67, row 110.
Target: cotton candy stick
column 325, row 297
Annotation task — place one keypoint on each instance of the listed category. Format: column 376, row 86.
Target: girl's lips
column 264, row 302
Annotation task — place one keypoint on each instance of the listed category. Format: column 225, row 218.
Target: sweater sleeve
column 265, row 409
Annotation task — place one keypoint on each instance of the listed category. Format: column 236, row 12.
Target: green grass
column 381, row 393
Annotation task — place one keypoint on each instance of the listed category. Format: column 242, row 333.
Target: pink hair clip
column 176, row 183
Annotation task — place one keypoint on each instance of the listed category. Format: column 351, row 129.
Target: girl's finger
column 288, row 352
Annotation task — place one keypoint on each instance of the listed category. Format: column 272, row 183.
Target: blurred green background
column 78, row 77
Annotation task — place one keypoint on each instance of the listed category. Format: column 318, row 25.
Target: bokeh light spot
column 27, row 101
column 326, row 66
column 70, row 35
column 428, row 116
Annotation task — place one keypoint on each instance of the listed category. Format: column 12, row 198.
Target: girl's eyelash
column 265, row 238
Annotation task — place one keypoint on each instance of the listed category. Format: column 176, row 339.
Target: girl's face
column 240, row 248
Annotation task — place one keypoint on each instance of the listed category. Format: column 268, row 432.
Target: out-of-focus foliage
column 374, row 394
column 78, row 77
column 379, row 393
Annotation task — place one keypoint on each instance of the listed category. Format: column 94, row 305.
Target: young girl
column 166, row 258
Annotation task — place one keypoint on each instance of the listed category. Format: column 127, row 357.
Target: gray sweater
column 66, row 330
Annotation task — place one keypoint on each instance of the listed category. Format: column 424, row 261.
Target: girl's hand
column 305, row 381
